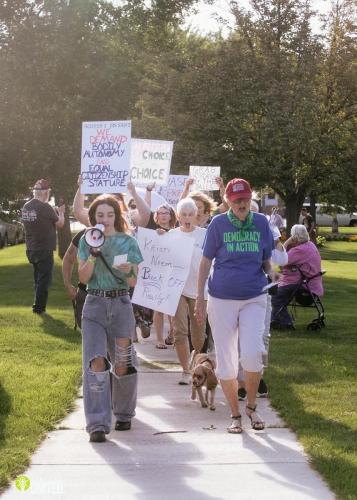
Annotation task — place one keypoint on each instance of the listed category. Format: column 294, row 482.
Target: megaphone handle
column 94, row 252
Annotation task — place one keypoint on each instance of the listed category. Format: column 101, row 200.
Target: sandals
column 236, row 425
column 161, row 346
column 169, row 339
column 257, row 423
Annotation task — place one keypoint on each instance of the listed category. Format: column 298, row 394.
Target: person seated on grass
column 303, row 255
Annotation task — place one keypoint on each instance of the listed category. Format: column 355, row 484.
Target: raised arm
column 60, row 212
column 68, row 262
column 186, row 189
column 223, row 207
column 144, row 211
column 79, row 211
column 148, row 192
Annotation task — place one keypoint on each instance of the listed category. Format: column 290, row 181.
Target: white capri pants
column 230, row 318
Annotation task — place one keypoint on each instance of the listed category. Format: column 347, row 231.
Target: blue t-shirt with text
column 238, row 254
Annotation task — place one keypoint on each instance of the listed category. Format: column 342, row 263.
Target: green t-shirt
column 117, row 244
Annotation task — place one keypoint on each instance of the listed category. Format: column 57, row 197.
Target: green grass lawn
column 40, row 362
column 341, row 230
column 312, row 375
column 313, row 379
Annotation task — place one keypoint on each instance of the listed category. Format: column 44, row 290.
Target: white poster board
column 163, row 273
column 150, row 161
column 204, row 178
column 173, row 190
column 105, row 159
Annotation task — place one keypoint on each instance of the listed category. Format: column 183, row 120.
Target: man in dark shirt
column 40, row 221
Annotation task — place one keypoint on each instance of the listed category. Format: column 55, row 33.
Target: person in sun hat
column 40, row 221
column 240, row 243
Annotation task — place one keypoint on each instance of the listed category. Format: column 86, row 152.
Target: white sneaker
column 185, row 378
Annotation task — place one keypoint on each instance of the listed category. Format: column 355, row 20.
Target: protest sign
column 105, row 160
column 150, row 161
column 204, row 178
column 173, row 190
column 163, row 273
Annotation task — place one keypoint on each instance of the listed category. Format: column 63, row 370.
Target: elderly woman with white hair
column 303, row 255
column 187, row 213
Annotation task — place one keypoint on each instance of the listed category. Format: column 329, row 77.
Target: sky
column 204, row 21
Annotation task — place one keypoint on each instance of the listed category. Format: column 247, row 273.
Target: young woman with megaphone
column 108, row 323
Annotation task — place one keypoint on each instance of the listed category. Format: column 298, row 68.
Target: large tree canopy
column 272, row 101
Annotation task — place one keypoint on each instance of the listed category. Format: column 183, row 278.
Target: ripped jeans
column 108, row 327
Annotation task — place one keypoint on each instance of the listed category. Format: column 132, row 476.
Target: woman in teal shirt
column 108, row 323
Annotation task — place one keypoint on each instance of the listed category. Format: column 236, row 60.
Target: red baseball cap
column 41, row 185
column 238, row 188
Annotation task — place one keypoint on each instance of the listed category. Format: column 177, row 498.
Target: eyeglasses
column 163, row 213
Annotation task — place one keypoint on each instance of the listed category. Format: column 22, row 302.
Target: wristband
column 130, row 274
column 92, row 259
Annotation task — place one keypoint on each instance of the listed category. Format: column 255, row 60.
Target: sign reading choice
column 105, row 160
column 163, row 273
column 150, row 161
column 204, row 178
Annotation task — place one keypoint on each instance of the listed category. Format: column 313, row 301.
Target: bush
column 339, row 237
column 320, row 241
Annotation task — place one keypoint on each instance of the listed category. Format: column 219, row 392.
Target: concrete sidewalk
column 176, row 450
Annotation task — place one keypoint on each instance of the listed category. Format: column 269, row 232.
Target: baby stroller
column 302, row 296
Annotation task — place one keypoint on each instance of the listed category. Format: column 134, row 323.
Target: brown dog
column 203, row 375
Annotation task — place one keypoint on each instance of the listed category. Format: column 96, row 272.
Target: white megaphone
column 94, row 236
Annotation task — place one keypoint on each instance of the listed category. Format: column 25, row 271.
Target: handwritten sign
column 150, row 161
column 105, row 161
column 173, row 190
column 204, row 178
column 163, row 273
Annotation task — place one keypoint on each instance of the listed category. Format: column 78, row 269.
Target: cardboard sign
column 173, row 190
column 163, row 273
column 105, row 160
column 150, row 161
column 204, row 178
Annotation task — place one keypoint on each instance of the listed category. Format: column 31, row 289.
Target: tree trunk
column 293, row 203
column 64, row 236
column 334, row 226
column 313, row 206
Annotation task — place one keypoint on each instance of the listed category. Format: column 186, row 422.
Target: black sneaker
column 122, row 426
column 262, row 389
column 242, row 394
column 97, row 437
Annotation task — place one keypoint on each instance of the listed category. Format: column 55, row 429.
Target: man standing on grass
column 40, row 221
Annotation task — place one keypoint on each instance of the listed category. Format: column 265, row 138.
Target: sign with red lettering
column 150, row 161
column 105, row 160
